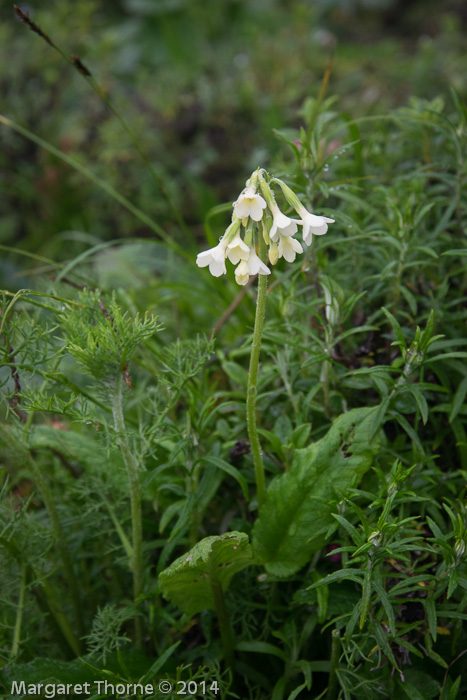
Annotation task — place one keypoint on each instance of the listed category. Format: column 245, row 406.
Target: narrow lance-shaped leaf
column 188, row 581
column 299, row 504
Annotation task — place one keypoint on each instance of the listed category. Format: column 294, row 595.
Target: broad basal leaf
column 188, row 581
column 299, row 504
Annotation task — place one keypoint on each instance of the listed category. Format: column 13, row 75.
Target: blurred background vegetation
column 204, row 85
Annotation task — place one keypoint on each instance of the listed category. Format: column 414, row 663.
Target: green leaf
column 430, row 609
column 169, row 513
column 446, row 356
column 396, row 327
column 386, row 603
column 427, row 686
column 295, row 693
column 420, row 399
column 455, row 688
column 300, row 435
column 411, row 691
column 159, row 663
column 349, row 574
column 381, row 638
column 409, row 297
column 432, row 653
column 232, row 471
column 283, row 429
column 403, row 422
column 351, row 529
column 322, row 593
column 188, row 581
column 299, row 504
column 366, row 596
column 236, row 373
column 458, row 400
column 261, row 648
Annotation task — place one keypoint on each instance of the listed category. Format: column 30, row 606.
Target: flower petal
column 242, row 209
column 203, row 259
column 217, row 268
column 263, row 269
column 253, row 263
column 256, row 211
column 290, row 229
column 319, row 230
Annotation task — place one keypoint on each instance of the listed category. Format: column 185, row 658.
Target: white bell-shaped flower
column 312, row 224
column 256, row 265
column 237, row 249
column 281, row 225
column 250, row 204
column 215, row 258
column 289, row 247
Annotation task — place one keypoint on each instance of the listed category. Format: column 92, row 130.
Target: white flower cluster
column 256, row 210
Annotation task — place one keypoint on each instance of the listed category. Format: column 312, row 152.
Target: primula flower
column 250, row 204
column 312, row 224
column 256, row 265
column 289, row 247
column 215, row 258
column 253, row 266
column 237, row 249
column 282, row 225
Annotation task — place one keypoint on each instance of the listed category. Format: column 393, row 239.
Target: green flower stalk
column 268, row 233
column 252, row 390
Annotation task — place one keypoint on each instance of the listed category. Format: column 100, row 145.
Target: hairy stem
column 253, row 378
column 335, row 649
column 131, row 464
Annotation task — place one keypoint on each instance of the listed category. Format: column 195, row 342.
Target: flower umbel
column 258, row 215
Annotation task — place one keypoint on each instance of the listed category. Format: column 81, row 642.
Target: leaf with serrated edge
column 298, row 508
column 188, row 581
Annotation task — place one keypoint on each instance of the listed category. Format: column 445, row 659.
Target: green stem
column 335, row 650
column 252, row 380
column 224, row 623
column 19, row 616
column 131, row 464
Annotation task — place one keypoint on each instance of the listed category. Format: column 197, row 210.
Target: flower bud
column 273, row 253
column 242, row 273
column 290, row 196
